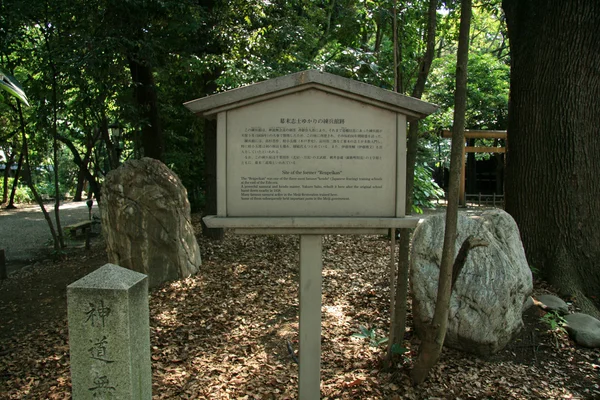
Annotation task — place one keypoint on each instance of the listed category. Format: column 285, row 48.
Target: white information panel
column 311, row 154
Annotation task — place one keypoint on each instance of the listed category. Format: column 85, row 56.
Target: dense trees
column 552, row 184
column 106, row 80
column 88, row 67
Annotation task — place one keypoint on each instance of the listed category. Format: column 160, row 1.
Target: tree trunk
column 10, row 160
column 83, row 164
column 29, row 180
column 13, row 192
column 55, row 161
column 552, row 185
column 399, row 291
column 435, row 333
column 80, row 185
column 145, row 95
column 395, row 43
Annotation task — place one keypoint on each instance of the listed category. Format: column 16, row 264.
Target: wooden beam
column 477, row 134
column 471, row 149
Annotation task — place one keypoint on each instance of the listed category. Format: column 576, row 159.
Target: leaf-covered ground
column 227, row 332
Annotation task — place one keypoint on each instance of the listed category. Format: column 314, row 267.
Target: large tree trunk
column 552, row 185
column 147, row 103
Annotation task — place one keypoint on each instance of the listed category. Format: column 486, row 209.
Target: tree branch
column 461, row 258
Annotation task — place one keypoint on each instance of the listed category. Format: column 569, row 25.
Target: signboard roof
column 211, row 105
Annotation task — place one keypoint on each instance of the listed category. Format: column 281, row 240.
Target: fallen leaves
column 224, row 334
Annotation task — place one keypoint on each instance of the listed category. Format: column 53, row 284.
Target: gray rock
column 584, row 329
column 553, row 303
column 487, row 302
column 146, row 221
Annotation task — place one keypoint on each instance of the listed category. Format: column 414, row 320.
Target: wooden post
column 3, row 272
column 311, row 263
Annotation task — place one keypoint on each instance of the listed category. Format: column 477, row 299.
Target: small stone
column 553, row 303
column 584, row 329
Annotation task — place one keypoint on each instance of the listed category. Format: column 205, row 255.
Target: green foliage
column 534, row 271
column 76, row 67
column 22, row 194
column 374, row 340
column 399, row 350
column 425, row 190
column 488, row 78
column 487, row 92
column 556, row 323
column 554, row 320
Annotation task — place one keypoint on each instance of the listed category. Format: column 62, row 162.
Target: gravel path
column 25, row 235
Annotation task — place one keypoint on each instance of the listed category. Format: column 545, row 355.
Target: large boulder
column 487, row 301
column 146, row 221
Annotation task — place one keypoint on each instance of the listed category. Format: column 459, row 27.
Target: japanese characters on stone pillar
column 109, row 335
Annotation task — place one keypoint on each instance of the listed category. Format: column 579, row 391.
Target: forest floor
column 224, row 333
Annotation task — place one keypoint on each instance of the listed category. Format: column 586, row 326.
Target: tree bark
column 94, row 185
column 80, row 184
column 55, row 161
column 435, row 333
column 552, row 185
column 9, row 162
column 13, row 192
column 145, row 95
column 29, row 180
column 399, row 291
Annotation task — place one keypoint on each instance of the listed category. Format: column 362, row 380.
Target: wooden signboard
column 310, row 154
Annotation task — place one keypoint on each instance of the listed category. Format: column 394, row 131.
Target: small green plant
column 58, row 255
column 397, row 349
column 557, row 325
column 554, row 320
column 370, row 334
column 534, row 271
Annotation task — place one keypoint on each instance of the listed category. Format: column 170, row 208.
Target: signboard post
column 310, row 154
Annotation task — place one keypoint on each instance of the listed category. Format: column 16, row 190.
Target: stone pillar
column 109, row 335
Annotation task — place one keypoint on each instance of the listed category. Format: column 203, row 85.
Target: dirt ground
column 24, row 233
column 224, row 334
